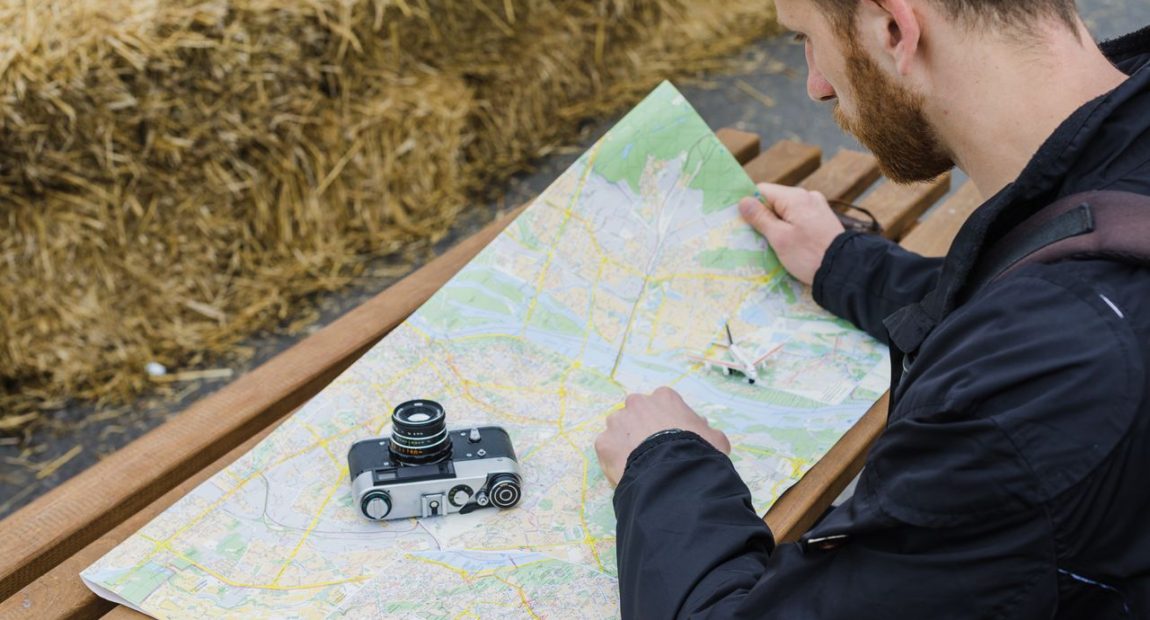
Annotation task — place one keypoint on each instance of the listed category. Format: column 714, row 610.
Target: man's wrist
column 652, row 440
column 662, row 437
column 826, row 270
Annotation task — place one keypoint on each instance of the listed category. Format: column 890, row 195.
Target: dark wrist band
column 669, row 431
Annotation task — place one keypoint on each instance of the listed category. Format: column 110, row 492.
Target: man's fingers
column 783, row 198
column 790, row 203
column 758, row 215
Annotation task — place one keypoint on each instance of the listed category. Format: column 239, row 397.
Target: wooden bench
column 44, row 546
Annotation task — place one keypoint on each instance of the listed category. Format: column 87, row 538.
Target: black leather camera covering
column 374, row 455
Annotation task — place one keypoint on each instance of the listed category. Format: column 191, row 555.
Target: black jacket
column 1013, row 478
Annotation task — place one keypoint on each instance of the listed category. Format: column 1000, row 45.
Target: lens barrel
column 419, row 433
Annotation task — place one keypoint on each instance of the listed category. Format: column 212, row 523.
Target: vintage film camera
column 423, row 470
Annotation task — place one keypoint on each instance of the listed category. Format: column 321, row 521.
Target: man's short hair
column 980, row 13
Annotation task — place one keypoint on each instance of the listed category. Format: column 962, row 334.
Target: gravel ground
column 767, row 97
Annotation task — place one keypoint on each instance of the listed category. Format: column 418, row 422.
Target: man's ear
column 891, row 28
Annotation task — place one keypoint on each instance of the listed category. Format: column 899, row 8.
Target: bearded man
column 1011, row 480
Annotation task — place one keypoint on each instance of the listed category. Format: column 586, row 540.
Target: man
column 1011, row 480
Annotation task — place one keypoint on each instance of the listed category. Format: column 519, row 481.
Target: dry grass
column 177, row 174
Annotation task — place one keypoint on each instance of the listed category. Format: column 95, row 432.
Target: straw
column 179, row 174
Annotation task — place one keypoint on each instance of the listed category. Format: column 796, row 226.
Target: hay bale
column 176, row 174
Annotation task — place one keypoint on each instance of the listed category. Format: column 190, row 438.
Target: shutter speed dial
column 459, row 495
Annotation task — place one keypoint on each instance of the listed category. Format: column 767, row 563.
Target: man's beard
column 890, row 121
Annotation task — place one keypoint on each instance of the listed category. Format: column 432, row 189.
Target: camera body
column 423, row 470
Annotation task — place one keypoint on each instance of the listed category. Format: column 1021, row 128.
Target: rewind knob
column 376, row 505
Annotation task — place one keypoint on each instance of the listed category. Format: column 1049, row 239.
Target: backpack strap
column 1099, row 224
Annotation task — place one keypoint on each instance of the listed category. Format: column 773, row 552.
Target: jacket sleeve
column 690, row 545
column 865, row 278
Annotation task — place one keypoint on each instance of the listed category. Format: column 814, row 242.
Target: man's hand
column 798, row 224
column 643, row 416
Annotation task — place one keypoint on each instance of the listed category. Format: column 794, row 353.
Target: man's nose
column 818, row 88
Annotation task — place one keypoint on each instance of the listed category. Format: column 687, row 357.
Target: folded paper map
column 616, row 280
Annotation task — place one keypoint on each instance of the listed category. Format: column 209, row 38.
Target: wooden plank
column 68, row 518
column 845, row 177
column 802, row 504
column 60, row 593
column 743, row 145
column 933, row 236
column 895, row 205
column 785, row 162
column 124, row 613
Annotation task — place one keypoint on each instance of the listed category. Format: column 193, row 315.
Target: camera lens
column 419, row 433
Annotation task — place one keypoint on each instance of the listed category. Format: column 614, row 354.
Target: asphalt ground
column 765, row 95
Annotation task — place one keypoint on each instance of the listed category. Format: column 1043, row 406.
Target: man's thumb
column 757, row 214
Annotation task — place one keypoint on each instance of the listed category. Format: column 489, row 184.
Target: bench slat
column 743, row 145
column 123, row 613
column 785, row 162
column 800, row 506
column 896, row 206
column 845, row 177
column 933, row 236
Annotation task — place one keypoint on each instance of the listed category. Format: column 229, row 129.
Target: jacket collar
column 1054, row 171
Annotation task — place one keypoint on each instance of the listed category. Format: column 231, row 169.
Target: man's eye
column 800, row 37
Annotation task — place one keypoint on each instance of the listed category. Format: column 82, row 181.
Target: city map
column 632, row 261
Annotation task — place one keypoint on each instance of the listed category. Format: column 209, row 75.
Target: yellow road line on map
column 418, row 332
column 522, row 596
column 401, row 376
column 562, row 227
column 495, row 387
column 470, row 611
column 656, row 323
column 258, row 586
column 762, row 451
column 630, row 323
column 323, row 442
column 597, row 418
column 466, row 576
column 311, row 526
column 165, row 543
column 603, row 255
column 587, row 538
column 255, row 475
column 498, row 413
column 588, row 326
column 715, row 277
column 559, row 422
column 515, row 337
